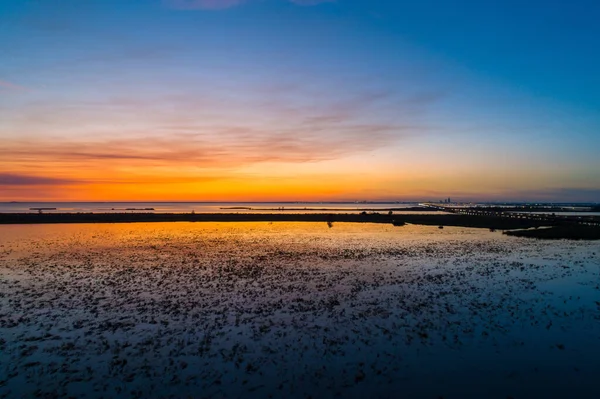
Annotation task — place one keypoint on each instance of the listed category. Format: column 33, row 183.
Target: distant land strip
column 434, row 219
column 570, row 232
column 301, row 209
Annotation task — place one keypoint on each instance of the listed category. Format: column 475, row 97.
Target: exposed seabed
column 296, row 310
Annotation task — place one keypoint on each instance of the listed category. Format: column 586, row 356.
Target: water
column 198, row 207
column 226, row 207
column 295, row 310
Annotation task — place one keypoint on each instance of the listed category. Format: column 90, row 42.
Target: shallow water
column 297, row 310
column 199, row 207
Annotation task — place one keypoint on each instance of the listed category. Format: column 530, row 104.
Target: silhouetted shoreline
column 441, row 219
column 571, row 232
column 302, row 209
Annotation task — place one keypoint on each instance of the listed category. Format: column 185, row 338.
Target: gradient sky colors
column 260, row 100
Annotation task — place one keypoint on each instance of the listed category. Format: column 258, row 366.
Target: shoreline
column 423, row 219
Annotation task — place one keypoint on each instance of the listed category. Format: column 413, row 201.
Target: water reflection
column 295, row 309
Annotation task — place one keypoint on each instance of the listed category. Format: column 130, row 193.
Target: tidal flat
column 296, row 310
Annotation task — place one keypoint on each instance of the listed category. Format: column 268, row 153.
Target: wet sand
column 295, row 309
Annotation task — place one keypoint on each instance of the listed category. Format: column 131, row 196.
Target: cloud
column 10, row 179
column 17, row 180
column 227, row 147
column 131, row 139
column 223, row 4
column 11, row 86
column 289, row 127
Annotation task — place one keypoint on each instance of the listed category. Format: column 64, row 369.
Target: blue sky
column 380, row 99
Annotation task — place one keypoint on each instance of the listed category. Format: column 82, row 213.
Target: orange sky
column 232, row 100
column 181, row 170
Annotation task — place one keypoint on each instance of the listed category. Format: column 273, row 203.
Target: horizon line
column 308, row 202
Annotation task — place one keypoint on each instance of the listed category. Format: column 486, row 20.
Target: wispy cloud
column 211, row 131
column 182, row 139
column 15, row 179
column 235, row 146
column 11, row 86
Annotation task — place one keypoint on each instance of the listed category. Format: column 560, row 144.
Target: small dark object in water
column 399, row 223
column 441, row 227
column 360, row 376
column 492, row 229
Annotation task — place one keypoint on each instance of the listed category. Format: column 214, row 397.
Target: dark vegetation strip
column 432, row 220
column 571, row 232
column 545, row 209
column 302, row 209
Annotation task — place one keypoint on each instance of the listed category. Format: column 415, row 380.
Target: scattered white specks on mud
column 295, row 310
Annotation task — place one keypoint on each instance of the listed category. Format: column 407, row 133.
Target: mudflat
column 295, row 309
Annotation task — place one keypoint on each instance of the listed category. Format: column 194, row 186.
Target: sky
column 299, row 100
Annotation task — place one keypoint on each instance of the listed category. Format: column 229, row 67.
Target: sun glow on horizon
column 108, row 101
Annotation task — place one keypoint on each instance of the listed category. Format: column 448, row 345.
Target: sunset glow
column 276, row 100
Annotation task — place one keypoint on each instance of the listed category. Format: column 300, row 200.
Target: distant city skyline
column 299, row 100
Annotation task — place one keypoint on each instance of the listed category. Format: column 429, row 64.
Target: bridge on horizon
column 551, row 218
